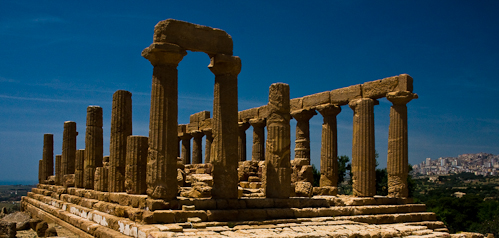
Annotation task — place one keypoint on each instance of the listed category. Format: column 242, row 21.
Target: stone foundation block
column 222, row 215
column 259, row 203
column 280, row 213
column 156, row 204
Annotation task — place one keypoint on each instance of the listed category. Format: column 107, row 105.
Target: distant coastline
column 19, row 182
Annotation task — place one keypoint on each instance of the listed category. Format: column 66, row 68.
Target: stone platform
column 91, row 213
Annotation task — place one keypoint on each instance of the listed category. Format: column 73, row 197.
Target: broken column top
column 193, row 37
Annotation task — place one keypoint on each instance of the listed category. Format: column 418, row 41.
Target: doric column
column 277, row 170
column 68, row 148
column 121, row 128
column 258, row 149
column 58, row 175
column 163, row 141
column 363, row 153
column 80, row 157
column 48, row 155
column 136, row 161
column 41, row 173
column 241, row 140
column 197, row 144
column 329, row 145
column 397, row 163
column 302, row 142
column 207, row 146
column 224, row 124
column 93, row 145
column 186, row 147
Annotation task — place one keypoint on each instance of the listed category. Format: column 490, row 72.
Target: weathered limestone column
column 68, row 148
column 163, row 141
column 136, row 161
column 101, row 179
column 302, row 142
column 41, row 173
column 207, row 146
column 277, row 171
column 329, row 145
column 241, row 140
column 121, row 128
column 186, row 147
column 363, row 152
column 258, row 149
column 93, row 145
column 48, row 155
column 58, row 172
column 398, row 155
column 197, row 144
column 80, row 157
column 224, row 124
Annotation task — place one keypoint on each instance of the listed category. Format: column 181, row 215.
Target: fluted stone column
column 136, row 161
column 258, row 149
column 277, row 170
column 363, row 152
column 241, row 140
column 207, row 146
column 58, row 172
column 186, row 148
column 398, row 155
column 68, row 148
column 329, row 145
column 224, row 124
column 80, row 158
column 48, row 155
column 101, row 179
column 163, row 141
column 93, row 145
column 41, row 173
column 197, row 144
column 302, row 142
column 121, row 128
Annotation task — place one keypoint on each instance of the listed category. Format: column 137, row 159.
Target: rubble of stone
column 161, row 186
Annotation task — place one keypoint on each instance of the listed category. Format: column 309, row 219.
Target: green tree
column 317, row 176
column 343, row 167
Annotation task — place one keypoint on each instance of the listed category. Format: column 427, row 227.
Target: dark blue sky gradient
column 58, row 57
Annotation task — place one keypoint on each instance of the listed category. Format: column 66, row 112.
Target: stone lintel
column 379, row 88
column 342, row 96
column 193, row 37
column 248, row 114
column 316, row 99
column 296, row 104
column 205, row 124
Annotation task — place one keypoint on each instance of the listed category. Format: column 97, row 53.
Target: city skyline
column 61, row 57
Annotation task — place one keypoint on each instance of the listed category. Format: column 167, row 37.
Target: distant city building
column 479, row 164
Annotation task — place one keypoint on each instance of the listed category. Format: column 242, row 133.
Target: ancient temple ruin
column 155, row 187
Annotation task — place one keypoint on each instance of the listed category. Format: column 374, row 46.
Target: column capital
column 354, row 103
column 221, row 64
column 185, row 136
column 400, row 97
column 196, row 134
column 208, row 131
column 303, row 114
column 328, row 109
column 258, row 122
column 164, row 54
column 243, row 126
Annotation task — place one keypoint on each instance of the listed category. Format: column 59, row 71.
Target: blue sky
column 58, row 57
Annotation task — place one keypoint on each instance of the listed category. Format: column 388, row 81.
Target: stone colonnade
column 148, row 165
